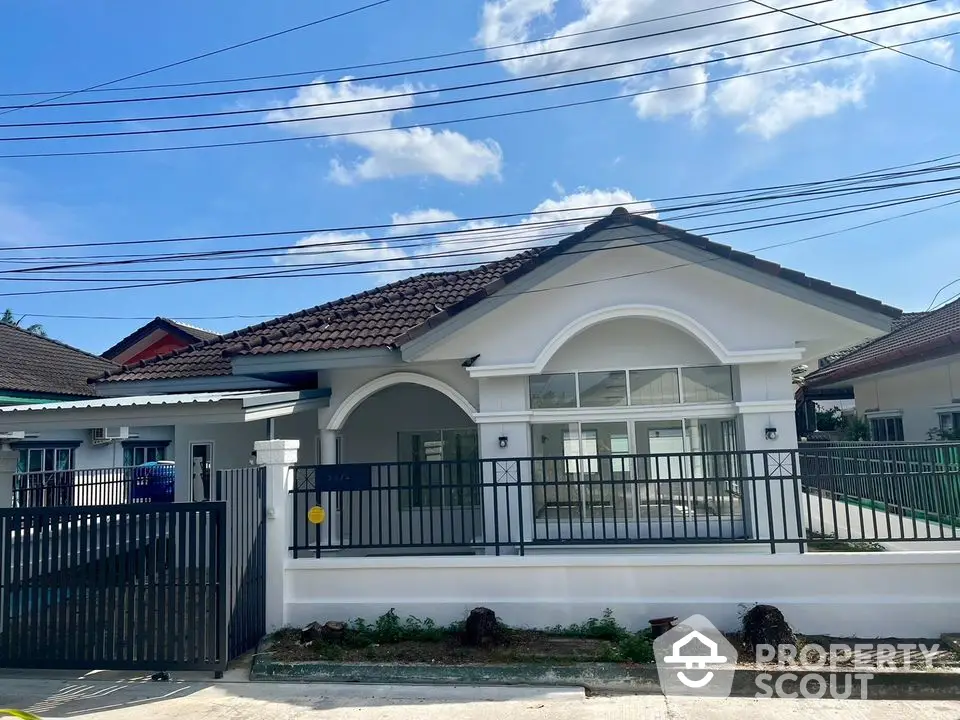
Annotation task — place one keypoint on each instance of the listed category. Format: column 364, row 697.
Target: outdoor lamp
column 771, row 433
column 503, row 441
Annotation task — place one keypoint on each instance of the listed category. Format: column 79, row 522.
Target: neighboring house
column 906, row 383
column 626, row 339
column 35, row 369
column 158, row 337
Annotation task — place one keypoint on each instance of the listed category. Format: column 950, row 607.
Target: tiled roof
column 199, row 333
column 932, row 335
column 391, row 315
column 897, row 323
column 33, row 364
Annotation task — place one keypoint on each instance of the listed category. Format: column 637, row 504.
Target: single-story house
column 158, row 337
column 906, row 383
column 39, row 370
column 591, row 366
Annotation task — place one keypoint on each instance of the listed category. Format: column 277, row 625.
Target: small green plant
column 605, row 627
column 388, row 629
column 632, row 647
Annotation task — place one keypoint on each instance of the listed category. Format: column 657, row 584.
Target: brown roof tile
column 925, row 337
column 396, row 313
column 33, row 364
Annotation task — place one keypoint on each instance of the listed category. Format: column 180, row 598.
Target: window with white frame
column 950, row 422
column 886, row 428
column 135, row 454
column 619, row 388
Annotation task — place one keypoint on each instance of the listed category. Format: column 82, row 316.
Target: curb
column 594, row 677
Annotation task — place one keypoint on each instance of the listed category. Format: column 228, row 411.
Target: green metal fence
column 921, row 480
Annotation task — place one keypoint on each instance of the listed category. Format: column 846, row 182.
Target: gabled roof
column 394, row 314
column 932, row 335
column 897, row 323
column 188, row 333
column 33, row 364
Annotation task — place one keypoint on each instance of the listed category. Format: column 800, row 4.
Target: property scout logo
column 695, row 659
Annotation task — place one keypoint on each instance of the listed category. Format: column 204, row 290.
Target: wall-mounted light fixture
column 503, row 441
column 770, row 433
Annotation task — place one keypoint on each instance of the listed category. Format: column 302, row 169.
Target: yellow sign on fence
column 316, row 514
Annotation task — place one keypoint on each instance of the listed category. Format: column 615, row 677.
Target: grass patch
column 828, row 542
column 412, row 640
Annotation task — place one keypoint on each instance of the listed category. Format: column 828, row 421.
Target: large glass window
column 553, row 391
column 440, row 467
column 707, row 384
column 619, row 388
column 603, row 389
column 134, row 455
column 655, row 387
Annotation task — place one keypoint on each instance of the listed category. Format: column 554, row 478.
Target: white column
column 507, row 502
column 329, row 531
column 768, row 423
column 277, row 456
column 8, row 466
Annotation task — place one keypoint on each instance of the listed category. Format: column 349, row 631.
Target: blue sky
column 831, row 120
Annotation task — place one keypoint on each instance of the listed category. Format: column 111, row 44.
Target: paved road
column 134, row 700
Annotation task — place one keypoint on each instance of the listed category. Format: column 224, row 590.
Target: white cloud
column 766, row 104
column 458, row 243
column 387, row 153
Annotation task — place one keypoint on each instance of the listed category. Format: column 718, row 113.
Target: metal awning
column 148, row 410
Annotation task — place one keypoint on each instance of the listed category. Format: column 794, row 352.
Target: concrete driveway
column 134, row 699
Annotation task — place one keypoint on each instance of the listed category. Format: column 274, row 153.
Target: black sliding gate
column 166, row 586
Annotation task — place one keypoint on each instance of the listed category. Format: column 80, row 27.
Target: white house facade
column 583, row 409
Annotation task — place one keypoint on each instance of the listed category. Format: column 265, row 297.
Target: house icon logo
column 695, row 659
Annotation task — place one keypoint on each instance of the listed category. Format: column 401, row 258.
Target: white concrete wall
column 915, row 392
column 864, row 595
column 742, row 315
column 629, row 343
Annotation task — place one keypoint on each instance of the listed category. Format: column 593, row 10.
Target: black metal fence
column 245, row 493
column 114, row 587
column 773, row 498
column 101, row 486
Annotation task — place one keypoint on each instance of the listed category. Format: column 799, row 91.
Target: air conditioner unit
column 13, row 435
column 103, row 436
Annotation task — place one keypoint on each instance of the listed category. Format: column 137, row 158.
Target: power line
column 570, row 285
column 466, row 234
column 855, row 36
column 866, row 180
column 439, row 123
column 435, row 91
column 296, row 272
column 402, row 61
column 458, row 66
column 201, row 56
column 440, row 103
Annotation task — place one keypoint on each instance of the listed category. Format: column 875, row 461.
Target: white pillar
column 8, row 466
column 329, row 531
column 774, row 507
column 277, row 456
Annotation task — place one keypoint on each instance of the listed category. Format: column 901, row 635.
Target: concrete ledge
column 595, row 677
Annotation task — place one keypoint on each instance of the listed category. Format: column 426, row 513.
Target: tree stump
column 766, row 625
column 333, row 631
column 311, row 633
column 481, row 628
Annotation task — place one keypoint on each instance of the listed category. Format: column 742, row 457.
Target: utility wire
column 569, row 285
column 297, row 272
column 526, row 228
column 402, row 61
column 458, row 66
column 715, row 198
column 855, row 36
column 440, row 103
column 201, row 56
column 456, row 121
column 454, row 88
